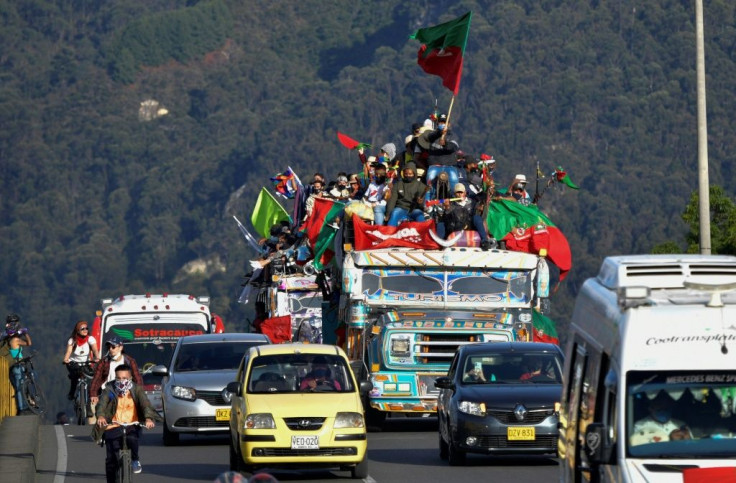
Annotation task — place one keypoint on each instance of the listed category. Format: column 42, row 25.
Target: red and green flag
column 544, row 329
column 267, row 212
column 442, row 50
column 349, row 142
column 524, row 228
column 320, row 231
column 564, row 178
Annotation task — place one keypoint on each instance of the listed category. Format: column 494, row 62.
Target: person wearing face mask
column 122, row 402
column 376, row 193
column 659, row 425
column 407, row 197
column 105, row 370
column 437, row 147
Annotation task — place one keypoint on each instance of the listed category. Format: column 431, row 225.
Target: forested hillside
column 103, row 194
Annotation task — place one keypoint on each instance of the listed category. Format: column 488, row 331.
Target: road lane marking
column 60, row 454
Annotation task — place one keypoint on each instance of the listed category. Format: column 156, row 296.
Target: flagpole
column 449, row 113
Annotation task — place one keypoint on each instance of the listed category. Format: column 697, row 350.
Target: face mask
column 408, row 179
column 441, row 127
column 474, row 170
column 383, row 159
column 380, row 179
column 661, row 415
column 123, row 386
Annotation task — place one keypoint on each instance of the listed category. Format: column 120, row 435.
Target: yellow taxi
column 297, row 406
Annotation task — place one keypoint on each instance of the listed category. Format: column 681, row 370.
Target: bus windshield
column 680, row 414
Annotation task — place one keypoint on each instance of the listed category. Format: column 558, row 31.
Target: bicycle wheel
column 125, row 463
column 80, row 405
column 33, row 396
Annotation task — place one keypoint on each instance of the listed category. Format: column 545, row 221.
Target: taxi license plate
column 222, row 414
column 516, row 433
column 305, row 442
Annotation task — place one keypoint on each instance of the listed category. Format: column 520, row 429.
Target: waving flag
column 443, row 48
column 349, row 142
column 526, row 229
column 564, row 178
column 321, row 231
column 267, row 213
column 285, row 183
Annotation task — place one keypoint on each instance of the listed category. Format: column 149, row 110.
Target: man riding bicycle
column 122, row 401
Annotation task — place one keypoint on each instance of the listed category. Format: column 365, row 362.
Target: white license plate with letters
column 305, row 442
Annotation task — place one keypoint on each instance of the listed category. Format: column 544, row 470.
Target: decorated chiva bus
column 150, row 326
column 442, row 271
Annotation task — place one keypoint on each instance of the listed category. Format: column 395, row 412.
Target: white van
column 650, row 371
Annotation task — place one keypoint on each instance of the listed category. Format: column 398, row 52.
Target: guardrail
column 7, row 393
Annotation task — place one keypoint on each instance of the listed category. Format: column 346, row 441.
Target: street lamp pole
column 703, row 182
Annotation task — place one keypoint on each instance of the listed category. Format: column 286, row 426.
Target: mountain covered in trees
column 133, row 130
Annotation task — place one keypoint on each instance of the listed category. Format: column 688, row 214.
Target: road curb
column 19, row 448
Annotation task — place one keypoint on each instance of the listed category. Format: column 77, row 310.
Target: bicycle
column 29, row 388
column 125, row 457
column 82, row 409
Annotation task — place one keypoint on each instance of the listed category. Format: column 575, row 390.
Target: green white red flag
column 526, row 229
column 443, row 48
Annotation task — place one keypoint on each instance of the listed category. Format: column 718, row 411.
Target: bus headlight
column 400, row 347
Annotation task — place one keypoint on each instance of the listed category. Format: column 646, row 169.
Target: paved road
column 405, row 452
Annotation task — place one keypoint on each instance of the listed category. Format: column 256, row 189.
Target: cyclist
column 14, row 340
column 122, row 402
column 105, row 370
column 80, row 348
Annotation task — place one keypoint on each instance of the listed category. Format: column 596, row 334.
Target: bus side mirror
column 598, row 446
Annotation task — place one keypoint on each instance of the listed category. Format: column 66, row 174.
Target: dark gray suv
column 500, row 398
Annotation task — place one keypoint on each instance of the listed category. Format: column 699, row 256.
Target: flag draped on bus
column 442, row 50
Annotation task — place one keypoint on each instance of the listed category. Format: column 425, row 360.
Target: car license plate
column 222, row 414
column 305, row 442
column 516, row 433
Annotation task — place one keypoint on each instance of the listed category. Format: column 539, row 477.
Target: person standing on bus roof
column 105, row 371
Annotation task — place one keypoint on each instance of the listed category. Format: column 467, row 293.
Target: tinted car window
column 210, row 356
column 293, row 373
column 513, row 368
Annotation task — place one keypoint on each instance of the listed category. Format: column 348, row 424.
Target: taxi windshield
column 679, row 414
column 284, row 373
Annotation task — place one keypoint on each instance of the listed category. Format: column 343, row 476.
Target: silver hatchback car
column 193, row 388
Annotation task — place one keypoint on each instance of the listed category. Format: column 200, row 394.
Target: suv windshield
column 299, row 373
column 211, row 356
column 672, row 414
column 512, row 368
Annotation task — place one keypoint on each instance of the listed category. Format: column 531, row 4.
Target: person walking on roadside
column 14, row 340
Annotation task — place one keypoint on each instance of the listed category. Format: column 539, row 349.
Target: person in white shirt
column 659, row 425
column 80, row 347
column 376, row 193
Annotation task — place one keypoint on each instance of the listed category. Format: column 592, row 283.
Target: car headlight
column 260, row 421
column 183, row 392
column 349, row 420
column 474, row 408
